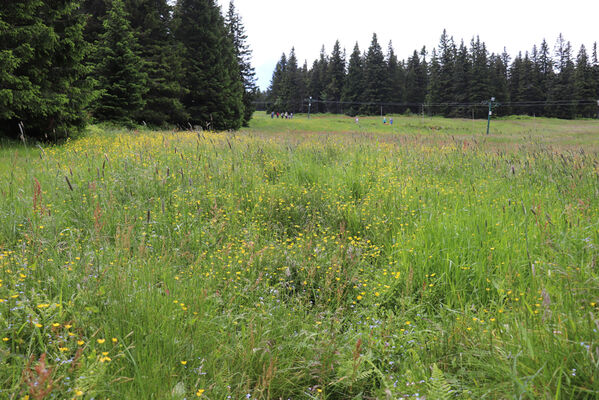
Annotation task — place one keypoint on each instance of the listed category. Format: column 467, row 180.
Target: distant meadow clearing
column 304, row 259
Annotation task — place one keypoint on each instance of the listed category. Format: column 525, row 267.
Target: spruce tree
column 584, row 84
column 354, row 83
column 336, row 79
column 95, row 13
column 119, row 72
column 416, row 78
column 563, row 88
column 461, row 82
column 304, row 82
column 151, row 22
column 318, row 78
column 244, row 56
column 293, row 85
column 376, row 78
column 276, row 91
column 547, row 73
column 498, row 81
column 529, row 88
column 396, row 78
column 479, row 82
column 595, row 68
column 535, row 91
column 42, row 77
column 433, row 96
column 447, row 54
column 214, row 97
column 515, row 83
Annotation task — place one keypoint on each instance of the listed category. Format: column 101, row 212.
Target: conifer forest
column 452, row 80
column 363, row 227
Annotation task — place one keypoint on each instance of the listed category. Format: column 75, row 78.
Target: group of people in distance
column 384, row 121
column 285, row 115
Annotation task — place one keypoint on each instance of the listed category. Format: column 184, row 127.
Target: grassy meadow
column 304, row 259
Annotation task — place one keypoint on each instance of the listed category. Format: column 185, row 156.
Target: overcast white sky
column 274, row 26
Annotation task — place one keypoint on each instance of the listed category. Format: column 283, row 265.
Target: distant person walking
column 390, row 121
column 384, row 120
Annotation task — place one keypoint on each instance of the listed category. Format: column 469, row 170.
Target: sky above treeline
column 274, row 26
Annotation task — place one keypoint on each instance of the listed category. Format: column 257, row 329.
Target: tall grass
column 302, row 265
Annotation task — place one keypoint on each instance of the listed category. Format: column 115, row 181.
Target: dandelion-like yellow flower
column 183, row 362
column 200, row 392
column 100, row 341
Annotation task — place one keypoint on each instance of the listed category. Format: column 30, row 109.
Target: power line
column 451, row 104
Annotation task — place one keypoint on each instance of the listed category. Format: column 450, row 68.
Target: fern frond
column 438, row 387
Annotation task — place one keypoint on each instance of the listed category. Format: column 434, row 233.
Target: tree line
column 453, row 80
column 66, row 62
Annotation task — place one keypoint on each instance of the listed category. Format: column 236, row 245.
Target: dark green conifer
column 214, row 90
column 151, row 22
column 95, row 13
column 354, row 84
column 462, row 78
column 584, row 84
column 515, row 83
column 595, row 68
column 396, row 88
column 335, row 79
column 447, row 54
column 498, row 81
column 416, row 79
column 433, row 96
column 563, row 89
column 276, row 91
column 42, row 77
column 546, row 73
column 243, row 53
column 530, row 90
column 294, row 89
column 480, row 75
column 121, row 82
column 318, row 78
column 376, row 78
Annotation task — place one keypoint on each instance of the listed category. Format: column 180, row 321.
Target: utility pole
column 309, row 106
column 490, row 114
column 597, row 109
